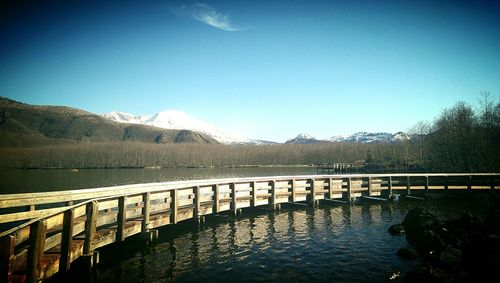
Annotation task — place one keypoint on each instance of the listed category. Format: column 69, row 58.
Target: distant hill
column 29, row 125
column 305, row 139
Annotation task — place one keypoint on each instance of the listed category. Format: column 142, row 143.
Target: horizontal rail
column 51, row 238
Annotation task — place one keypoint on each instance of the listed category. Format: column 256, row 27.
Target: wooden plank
column 7, row 246
column 349, row 186
column 216, row 198
column 369, row 186
column 145, row 211
column 90, row 227
column 67, row 240
column 38, row 232
column 273, row 193
column 312, row 195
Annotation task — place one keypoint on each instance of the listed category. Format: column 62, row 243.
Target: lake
column 43, row 180
column 330, row 243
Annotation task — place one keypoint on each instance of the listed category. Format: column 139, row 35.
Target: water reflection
column 329, row 243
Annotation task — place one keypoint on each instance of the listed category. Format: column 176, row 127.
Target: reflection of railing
column 63, row 226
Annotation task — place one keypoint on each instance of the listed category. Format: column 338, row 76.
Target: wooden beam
column 38, row 232
column 294, row 190
column 273, row 193
column 330, row 188
column 66, row 240
column 146, row 207
column 233, row 205
column 469, row 183
column 369, row 186
column 7, row 245
column 426, row 186
column 389, row 186
column 197, row 203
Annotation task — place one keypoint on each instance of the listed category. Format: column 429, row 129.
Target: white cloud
column 206, row 14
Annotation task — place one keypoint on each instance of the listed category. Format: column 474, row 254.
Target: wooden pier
column 51, row 230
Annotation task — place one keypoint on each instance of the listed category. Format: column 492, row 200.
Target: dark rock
column 396, row 229
column 451, row 256
column 417, row 221
column 407, row 253
column 430, row 243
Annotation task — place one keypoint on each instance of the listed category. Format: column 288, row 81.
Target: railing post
column 175, row 204
column 146, row 206
column 446, row 184
column 426, row 186
column 38, row 231
column 254, row 194
column 469, row 183
column 90, row 227
column 7, row 246
column 389, row 186
column 216, row 198
column 408, row 186
column 330, row 188
column 66, row 240
column 197, row 203
column 312, row 194
column 273, row 194
column 232, row 188
column 294, row 190
column 349, row 185
column 369, row 186
column 121, row 218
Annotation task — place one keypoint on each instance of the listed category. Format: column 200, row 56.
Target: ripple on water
column 329, row 243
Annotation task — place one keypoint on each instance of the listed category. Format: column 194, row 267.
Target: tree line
column 461, row 138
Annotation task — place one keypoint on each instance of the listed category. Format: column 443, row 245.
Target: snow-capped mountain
column 178, row 120
column 366, row 137
column 360, row 137
column 123, row 117
column 304, row 139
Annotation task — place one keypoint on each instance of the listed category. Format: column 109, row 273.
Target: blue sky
column 260, row 69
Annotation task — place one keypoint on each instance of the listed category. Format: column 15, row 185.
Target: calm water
column 297, row 244
column 39, row 180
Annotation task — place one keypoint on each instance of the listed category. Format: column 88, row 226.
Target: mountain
column 29, row 125
column 172, row 119
column 366, row 137
column 304, row 139
column 360, row 137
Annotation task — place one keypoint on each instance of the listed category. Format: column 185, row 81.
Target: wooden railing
column 56, row 228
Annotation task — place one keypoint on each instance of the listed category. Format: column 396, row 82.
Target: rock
column 396, row 229
column 407, row 253
column 430, row 243
column 417, row 221
column 451, row 256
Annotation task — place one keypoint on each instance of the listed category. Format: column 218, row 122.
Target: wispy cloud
column 206, row 14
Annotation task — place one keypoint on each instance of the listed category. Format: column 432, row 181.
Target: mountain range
column 360, row 137
column 29, row 125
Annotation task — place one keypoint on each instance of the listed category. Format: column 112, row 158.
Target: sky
column 261, row 69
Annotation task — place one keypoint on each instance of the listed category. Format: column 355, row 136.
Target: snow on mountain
column 123, row 117
column 178, row 120
column 304, row 139
column 366, row 137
